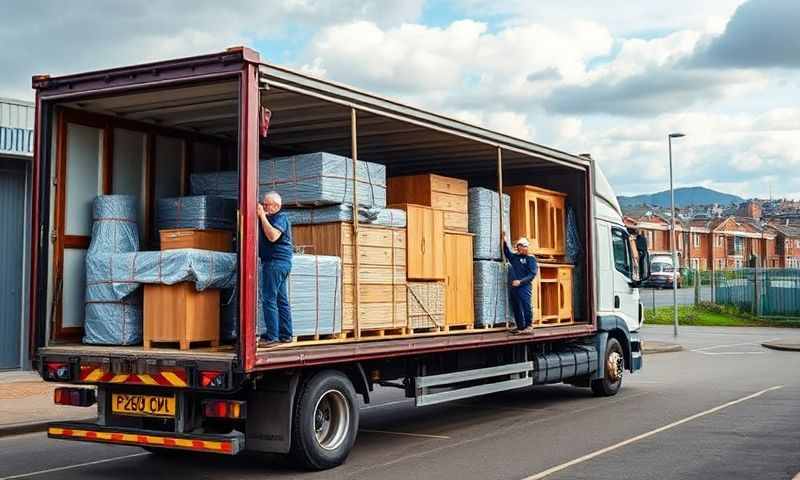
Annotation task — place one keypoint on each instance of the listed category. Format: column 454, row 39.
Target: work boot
column 527, row 330
column 264, row 343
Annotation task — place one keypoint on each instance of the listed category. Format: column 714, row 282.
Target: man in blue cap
column 522, row 271
column 275, row 252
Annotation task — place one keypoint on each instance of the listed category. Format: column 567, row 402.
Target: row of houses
column 721, row 243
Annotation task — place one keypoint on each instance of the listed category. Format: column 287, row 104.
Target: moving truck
column 144, row 129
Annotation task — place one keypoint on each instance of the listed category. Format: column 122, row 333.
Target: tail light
column 57, row 371
column 76, row 397
column 212, row 379
column 225, row 409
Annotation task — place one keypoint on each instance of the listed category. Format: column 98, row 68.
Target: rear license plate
column 143, row 405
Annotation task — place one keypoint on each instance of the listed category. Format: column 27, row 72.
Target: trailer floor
column 516, row 435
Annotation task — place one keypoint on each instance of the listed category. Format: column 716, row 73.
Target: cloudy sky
column 611, row 79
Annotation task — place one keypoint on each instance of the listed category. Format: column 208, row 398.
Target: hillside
column 684, row 197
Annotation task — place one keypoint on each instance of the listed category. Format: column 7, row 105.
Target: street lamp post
column 675, row 268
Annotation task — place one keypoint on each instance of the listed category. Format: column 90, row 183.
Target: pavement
column 724, row 407
column 26, row 404
column 787, row 344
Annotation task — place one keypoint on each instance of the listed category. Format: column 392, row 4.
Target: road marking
column 78, row 465
column 629, row 441
column 494, row 433
column 404, row 434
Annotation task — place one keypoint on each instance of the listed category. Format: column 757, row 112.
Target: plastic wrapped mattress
column 484, row 208
column 111, row 318
column 387, row 217
column 574, row 255
column 491, row 293
column 310, row 179
column 202, row 212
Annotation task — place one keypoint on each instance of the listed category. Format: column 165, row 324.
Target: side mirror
column 644, row 258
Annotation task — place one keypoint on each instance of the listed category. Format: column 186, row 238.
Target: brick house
column 787, row 244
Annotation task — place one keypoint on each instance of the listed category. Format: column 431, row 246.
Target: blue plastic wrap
column 387, row 217
column 574, row 255
column 111, row 318
column 491, row 293
column 201, row 212
column 484, row 208
column 229, row 317
column 315, row 298
column 310, row 179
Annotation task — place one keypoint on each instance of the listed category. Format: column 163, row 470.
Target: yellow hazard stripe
column 119, row 378
column 96, row 375
column 143, row 439
column 173, row 379
column 147, row 380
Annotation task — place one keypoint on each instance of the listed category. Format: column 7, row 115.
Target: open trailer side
column 299, row 397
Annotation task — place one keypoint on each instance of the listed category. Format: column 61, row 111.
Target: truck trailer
column 143, row 130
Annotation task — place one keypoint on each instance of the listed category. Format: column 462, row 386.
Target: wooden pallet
column 455, row 328
column 181, row 345
column 309, row 338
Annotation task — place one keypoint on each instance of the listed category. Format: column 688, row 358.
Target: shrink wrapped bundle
column 387, row 217
column 484, row 208
column 202, row 212
column 310, row 179
column 315, row 298
column 574, row 255
column 315, row 295
column 491, row 293
column 111, row 318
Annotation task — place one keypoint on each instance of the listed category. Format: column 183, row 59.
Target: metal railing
column 771, row 292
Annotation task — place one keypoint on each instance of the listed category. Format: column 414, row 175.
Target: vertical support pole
column 500, row 196
column 697, row 286
column 356, row 261
column 150, row 186
column 248, row 198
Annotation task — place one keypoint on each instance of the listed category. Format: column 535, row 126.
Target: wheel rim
column 331, row 420
column 614, row 366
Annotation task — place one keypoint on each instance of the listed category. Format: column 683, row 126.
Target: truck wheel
column 325, row 421
column 611, row 382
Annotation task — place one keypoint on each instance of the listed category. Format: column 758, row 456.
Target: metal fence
column 773, row 292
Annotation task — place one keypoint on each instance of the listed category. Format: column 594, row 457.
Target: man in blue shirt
column 275, row 252
column 522, row 271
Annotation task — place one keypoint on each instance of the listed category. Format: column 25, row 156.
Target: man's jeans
column 520, row 298
column 275, row 298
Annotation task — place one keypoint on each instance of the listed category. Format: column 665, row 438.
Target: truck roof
column 474, row 145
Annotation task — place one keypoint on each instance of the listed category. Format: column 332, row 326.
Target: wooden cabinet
column 459, row 301
column 219, row 240
column 446, row 194
column 179, row 314
column 539, row 215
column 425, row 243
column 552, row 294
column 382, row 270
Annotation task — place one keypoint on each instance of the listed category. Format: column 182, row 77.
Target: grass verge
column 711, row 315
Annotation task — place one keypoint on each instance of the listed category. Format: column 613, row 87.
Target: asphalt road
column 663, row 298
column 723, row 408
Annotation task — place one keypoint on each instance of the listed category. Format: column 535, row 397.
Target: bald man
column 275, row 251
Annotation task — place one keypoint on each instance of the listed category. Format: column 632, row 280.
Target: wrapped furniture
column 113, row 315
column 491, row 294
column 311, row 179
column 484, row 222
column 385, row 217
column 200, row 212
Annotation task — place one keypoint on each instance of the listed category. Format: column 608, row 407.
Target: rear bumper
column 226, row 444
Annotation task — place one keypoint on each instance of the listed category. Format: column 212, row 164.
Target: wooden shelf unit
column 538, row 214
column 446, row 194
column 382, row 295
column 552, row 291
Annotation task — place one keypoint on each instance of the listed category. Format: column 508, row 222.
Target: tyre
column 325, row 420
column 611, row 382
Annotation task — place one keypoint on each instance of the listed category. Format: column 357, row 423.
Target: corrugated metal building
column 16, row 153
